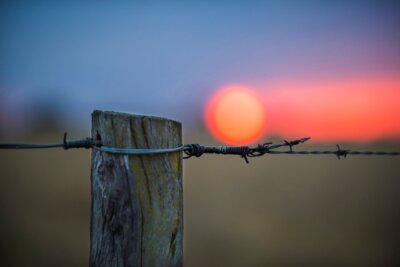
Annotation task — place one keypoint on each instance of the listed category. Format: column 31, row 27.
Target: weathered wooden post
column 136, row 216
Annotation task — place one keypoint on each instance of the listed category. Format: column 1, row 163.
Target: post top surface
column 125, row 114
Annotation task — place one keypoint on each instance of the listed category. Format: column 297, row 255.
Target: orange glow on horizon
column 235, row 115
column 354, row 110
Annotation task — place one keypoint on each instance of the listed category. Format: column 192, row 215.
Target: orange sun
column 235, row 115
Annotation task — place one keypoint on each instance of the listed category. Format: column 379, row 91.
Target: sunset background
column 325, row 69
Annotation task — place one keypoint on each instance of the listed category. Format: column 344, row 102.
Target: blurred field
column 278, row 210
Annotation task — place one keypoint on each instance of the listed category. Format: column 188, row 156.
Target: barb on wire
column 340, row 152
column 196, row 150
column 66, row 144
column 335, row 152
column 290, row 144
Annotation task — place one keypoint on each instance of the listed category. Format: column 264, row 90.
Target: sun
column 235, row 115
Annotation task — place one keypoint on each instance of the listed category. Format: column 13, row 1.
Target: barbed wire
column 66, row 144
column 196, row 150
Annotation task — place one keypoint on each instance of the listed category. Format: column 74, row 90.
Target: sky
column 168, row 59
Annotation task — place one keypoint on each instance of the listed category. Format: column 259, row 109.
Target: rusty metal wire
column 196, row 150
column 268, row 148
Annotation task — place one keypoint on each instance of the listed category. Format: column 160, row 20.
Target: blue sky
column 167, row 58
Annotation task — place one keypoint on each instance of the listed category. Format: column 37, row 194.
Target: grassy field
column 279, row 210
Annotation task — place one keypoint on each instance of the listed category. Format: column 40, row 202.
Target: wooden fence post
column 137, row 201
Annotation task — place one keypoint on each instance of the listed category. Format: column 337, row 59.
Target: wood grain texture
column 137, row 201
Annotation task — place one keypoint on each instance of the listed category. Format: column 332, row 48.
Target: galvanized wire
column 196, row 150
column 138, row 151
column 333, row 152
column 29, row 146
column 66, row 144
